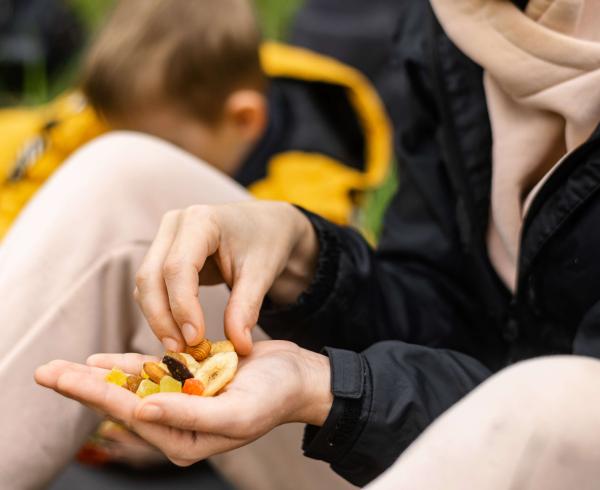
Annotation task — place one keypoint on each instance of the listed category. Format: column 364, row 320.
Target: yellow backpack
column 35, row 142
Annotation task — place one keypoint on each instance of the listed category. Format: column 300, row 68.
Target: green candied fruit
column 169, row 385
column 146, row 388
column 117, row 377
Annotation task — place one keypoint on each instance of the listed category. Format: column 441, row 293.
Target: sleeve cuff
column 347, row 417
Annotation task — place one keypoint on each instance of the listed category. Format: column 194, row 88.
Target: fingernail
column 150, row 413
column 169, row 344
column 189, row 332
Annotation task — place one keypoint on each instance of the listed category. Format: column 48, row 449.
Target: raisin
column 177, row 369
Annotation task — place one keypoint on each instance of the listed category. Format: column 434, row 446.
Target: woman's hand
column 254, row 247
column 278, row 383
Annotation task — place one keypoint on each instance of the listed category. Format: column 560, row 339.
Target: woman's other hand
column 278, row 383
column 254, row 247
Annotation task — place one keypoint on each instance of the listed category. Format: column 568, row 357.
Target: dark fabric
column 425, row 313
column 42, row 34
column 273, row 141
column 361, row 34
column 362, row 441
column 309, row 117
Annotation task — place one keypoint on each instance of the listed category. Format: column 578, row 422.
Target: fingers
column 216, row 415
column 48, row 374
column 151, row 291
column 130, row 362
column 197, row 239
column 87, row 385
column 243, row 308
column 201, row 446
column 248, row 245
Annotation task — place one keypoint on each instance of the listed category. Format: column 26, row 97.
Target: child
column 285, row 122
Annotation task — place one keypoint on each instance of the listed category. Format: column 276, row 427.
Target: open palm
column 278, row 383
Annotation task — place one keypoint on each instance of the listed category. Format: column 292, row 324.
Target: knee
column 121, row 158
column 556, row 400
column 121, row 169
column 551, row 379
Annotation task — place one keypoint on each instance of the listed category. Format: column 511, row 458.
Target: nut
column 133, row 382
column 200, row 351
column 154, row 371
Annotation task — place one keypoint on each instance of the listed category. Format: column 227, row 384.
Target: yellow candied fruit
column 146, row 388
column 117, row 377
column 169, row 385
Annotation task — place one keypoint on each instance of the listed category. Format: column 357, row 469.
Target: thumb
column 242, row 310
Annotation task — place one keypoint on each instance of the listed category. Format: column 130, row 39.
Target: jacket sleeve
column 587, row 336
column 412, row 288
column 367, row 429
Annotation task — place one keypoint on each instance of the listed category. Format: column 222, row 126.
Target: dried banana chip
column 216, row 371
column 221, row 346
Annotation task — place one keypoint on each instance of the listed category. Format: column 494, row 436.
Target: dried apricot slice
column 193, row 386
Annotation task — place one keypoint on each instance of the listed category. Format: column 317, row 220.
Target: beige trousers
column 534, row 426
column 66, row 280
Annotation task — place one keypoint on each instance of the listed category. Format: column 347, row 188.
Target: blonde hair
column 192, row 53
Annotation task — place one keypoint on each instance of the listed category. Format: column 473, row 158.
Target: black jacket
column 415, row 325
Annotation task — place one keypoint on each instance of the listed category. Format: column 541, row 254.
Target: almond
column 154, row 371
column 133, row 382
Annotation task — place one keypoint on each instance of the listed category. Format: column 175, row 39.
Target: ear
column 246, row 111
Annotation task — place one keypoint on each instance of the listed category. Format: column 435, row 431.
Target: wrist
column 316, row 398
column 300, row 269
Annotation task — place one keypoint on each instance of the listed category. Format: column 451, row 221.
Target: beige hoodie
column 542, row 84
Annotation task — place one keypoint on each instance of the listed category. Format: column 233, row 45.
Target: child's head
column 187, row 71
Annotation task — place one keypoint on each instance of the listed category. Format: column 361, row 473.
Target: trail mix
column 201, row 370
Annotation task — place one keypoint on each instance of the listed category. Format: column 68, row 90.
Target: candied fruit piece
column 169, row 385
column 146, row 388
column 193, row 387
column 117, row 377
